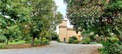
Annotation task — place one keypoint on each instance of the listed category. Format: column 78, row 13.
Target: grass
column 14, row 44
column 19, row 42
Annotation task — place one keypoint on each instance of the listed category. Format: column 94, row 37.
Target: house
column 65, row 33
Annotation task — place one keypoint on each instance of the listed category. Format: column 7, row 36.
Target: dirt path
column 56, row 48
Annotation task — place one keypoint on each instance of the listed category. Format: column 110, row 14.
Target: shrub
column 58, row 40
column 92, row 42
column 45, row 41
column 37, row 42
column 54, row 36
column 3, row 47
column 2, row 39
column 85, row 41
column 111, row 48
column 11, row 40
column 16, row 40
column 73, row 40
column 113, row 39
column 27, row 38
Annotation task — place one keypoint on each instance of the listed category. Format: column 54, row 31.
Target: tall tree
column 112, row 17
column 102, row 17
column 12, row 12
column 82, row 13
column 44, row 18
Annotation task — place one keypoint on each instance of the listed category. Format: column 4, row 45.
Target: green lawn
column 19, row 42
column 13, row 42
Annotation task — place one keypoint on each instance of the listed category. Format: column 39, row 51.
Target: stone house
column 65, row 33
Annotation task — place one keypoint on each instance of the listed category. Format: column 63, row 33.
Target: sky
column 62, row 8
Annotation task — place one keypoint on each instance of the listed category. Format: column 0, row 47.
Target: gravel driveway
column 56, row 48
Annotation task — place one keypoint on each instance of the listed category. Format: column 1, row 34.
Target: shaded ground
column 56, row 48
column 17, row 46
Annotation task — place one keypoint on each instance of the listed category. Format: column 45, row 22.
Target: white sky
column 62, row 8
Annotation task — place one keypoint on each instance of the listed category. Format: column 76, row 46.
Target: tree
column 97, row 16
column 44, row 18
column 113, row 15
column 12, row 12
column 82, row 13
column 37, row 18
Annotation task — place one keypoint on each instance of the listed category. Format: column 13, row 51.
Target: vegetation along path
column 56, row 48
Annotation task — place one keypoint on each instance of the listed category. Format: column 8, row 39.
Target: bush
column 11, row 40
column 113, row 39
column 92, row 42
column 27, row 38
column 45, row 41
column 73, row 40
column 85, row 41
column 2, row 39
column 58, row 40
column 76, row 41
column 111, row 48
column 16, row 40
column 37, row 42
column 54, row 36
column 3, row 47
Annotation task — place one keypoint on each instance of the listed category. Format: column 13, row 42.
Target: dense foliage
column 12, row 13
column 73, row 39
column 101, row 18
column 28, row 19
column 111, row 47
column 54, row 36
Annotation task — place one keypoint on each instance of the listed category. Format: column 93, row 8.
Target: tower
column 63, row 31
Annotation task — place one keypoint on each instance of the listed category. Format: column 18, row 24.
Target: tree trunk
column 33, row 40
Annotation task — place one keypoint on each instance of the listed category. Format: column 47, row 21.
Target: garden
column 27, row 23
column 31, row 23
